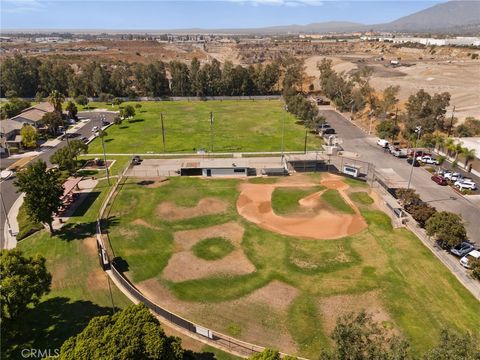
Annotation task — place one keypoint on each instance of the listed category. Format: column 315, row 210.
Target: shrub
column 447, row 228
column 475, row 265
column 422, row 212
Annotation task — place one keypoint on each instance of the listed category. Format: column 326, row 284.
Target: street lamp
column 418, row 131
column 102, row 134
column 283, row 133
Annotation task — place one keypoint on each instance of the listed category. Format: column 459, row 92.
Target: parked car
column 398, row 152
column 6, row 174
column 419, row 153
column 440, row 180
column 71, row 121
column 462, row 249
column 414, row 161
column 136, row 160
column 95, row 129
column 328, row 131
column 84, row 139
column 383, row 143
column 324, row 125
column 465, row 183
column 452, row 176
column 429, row 160
column 471, row 256
column 105, row 123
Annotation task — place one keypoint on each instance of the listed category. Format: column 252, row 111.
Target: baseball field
column 276, row 261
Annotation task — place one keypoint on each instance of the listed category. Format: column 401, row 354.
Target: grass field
column 285, row 200
column 212, row 248
column 237, row 126
column 299, row 286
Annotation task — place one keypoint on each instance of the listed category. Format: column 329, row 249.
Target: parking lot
column 443, row 198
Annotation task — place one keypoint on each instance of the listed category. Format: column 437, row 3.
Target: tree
column 127, row 112
column 23, row 281
column 464, row 130
column 387, row 129
column 455, row 346
column 468, row 155
column 407, row 197
column 358, row 337
column 66, row 157
column 19, row 74
column 81, row 100
column 194, row 77
column 56, row 99
column 421, row 213
column 14, row 107
column 389, row 98
column 29, row 136
column 427, row 111
column 447, row 228
column 475, row 266
column 180, row 84
column 53, row 120
column 43, row 191
column 133, row 333
column 72, row 110
column 473, row 124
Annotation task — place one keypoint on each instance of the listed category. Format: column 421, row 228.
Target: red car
column 439, row 180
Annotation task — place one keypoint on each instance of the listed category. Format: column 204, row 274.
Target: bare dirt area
column 334, row 307
column 276, row 294
column 184, row 265
column 254, row 204
column 206, row 206
column 142, row 222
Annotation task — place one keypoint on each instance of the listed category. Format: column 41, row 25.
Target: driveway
column 8, row 189
column 441, row 197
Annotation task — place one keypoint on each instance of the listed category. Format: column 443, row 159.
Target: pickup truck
column 398, row 152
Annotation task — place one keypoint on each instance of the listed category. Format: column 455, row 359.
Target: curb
column 10, row 239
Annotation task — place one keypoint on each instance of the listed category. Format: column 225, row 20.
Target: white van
column 383, row 143
column 472, row 255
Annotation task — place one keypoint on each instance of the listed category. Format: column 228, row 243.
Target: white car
column 383, row 143
column 451, row 176
column 6, row 174
column 466, row 183
column 472, row 255
column 429, row 160
column 95, row 129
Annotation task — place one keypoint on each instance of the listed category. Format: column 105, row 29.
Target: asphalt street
column 443, row 198
column 8, row 189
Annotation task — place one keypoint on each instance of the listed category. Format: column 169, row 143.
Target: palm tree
column 450, row 146
column 56, row 99
column 468, row 154
column 458, row 150
column 439, row 141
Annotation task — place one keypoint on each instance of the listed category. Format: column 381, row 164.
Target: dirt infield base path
column 255, row 205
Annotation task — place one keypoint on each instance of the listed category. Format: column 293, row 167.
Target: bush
column 421, row 213
column 447, row 228
column 475, row 265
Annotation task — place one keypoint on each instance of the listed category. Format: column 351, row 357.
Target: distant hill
column 456, row 16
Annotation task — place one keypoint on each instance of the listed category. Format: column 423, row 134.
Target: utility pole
column 283, row 133
column 163, row 132
column 211, row 132
column 418, row 130
column 102, row 135
column 305, row 145
column 451, row 122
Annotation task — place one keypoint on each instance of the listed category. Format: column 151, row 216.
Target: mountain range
column 458, row 16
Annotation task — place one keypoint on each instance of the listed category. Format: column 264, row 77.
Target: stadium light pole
column 418, row 130
column 283, row 133
column 102, row 134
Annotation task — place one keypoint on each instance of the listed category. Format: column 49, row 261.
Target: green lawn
column 213, row 248
column 237, row 126
column 285, row 199
column 406, row 281
column 361, row 197
column 336, row 201
column 79, row 287
column 25, row 225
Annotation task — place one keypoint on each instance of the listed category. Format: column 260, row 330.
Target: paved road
column 8, row 190
column 442, row 197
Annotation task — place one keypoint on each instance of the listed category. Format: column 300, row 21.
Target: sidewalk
column 10, row 234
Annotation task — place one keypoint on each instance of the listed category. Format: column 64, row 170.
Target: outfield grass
column 285, row 199
column 79, row 287
column 417, row 292
column 238, row 126
column 213, row 248
column 335, row 200
column 25, row 225
column 361, row 197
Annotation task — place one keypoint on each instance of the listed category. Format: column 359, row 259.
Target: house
column 9, row 135
column 33, row 115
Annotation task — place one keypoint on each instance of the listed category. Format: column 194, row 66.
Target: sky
column 159, row 14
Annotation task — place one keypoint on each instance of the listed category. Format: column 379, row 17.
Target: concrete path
column 10, row 232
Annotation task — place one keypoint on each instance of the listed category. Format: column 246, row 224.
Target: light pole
column 283, row 133
column 418, row 130
column 102, row 134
